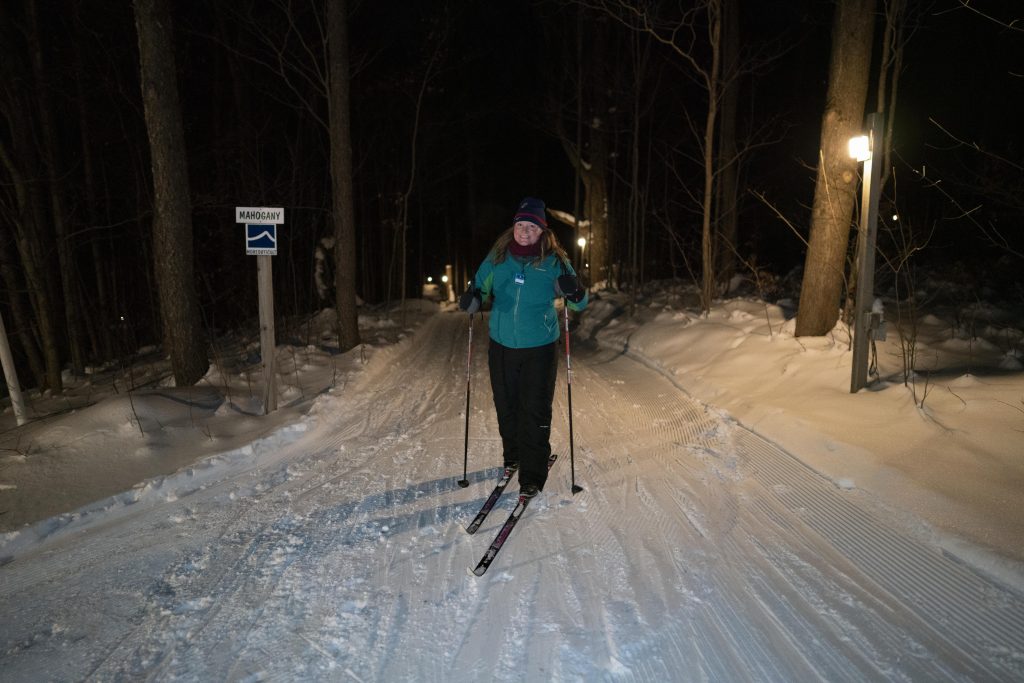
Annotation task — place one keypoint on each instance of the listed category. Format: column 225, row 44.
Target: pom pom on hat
column 531, row 210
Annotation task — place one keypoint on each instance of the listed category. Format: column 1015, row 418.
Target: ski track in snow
column 698, row 551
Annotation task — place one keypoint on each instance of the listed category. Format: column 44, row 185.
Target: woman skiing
column 524, row 272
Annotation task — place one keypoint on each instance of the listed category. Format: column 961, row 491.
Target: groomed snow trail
column 698, row 551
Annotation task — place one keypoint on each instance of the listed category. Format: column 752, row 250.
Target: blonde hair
column 548, row 245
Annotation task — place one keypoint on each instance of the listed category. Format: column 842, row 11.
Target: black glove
column 470, row 301
column 569, row 287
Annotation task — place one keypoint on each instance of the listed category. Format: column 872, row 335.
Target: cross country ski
column 506, row 528
column 492, row 499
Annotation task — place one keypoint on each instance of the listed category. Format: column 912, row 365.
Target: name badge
column 520, row 278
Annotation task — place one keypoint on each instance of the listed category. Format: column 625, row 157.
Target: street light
column 863, row 148
column 860, row 148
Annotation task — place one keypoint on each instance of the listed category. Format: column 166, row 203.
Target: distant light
column 895, row 217
column 860, row 148
column 582, row 242
column 444, row 279
column 430, row 279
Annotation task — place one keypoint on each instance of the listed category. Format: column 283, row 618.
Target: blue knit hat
column 531, row 210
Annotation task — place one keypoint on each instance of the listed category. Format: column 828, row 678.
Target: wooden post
column 261, row 241
column 268, row 350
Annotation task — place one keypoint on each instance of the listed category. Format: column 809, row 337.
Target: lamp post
column 864, row 149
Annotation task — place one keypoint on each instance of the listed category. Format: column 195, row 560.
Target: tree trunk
column 22, row 317
column 635, row 257
column 172, row 207
column 68, row 272
column 726, row 209
column 835, row 190
column 28, row 212
column 592, row 173
column 595, row 201
column 707, row 241
column 594, row 161
column 889, row 71
column 341, row 175
column 28, row 227
column 101, row 312
column 587, row 151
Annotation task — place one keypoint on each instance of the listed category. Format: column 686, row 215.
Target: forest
column 700, row 140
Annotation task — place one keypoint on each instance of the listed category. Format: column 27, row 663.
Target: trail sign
column 260, row 239
column 260, row 228
column 259, row 214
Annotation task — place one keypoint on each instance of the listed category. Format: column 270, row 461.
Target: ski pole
column 464, row 482
column 568, row 383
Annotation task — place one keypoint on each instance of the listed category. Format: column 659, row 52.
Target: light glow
column 860, row 148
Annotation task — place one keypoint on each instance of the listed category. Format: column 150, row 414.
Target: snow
column 744, row 516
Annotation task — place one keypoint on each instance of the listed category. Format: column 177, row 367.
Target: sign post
column 261, row 241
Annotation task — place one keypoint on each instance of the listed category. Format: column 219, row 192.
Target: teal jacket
column 524, row 291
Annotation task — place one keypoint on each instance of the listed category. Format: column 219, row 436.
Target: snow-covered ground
column 745, row 517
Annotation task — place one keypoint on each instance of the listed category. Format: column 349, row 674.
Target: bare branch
column 781, row 217
column 975, row 146
column 1012, row 24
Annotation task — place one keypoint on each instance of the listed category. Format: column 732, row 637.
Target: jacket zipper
column 515, row 309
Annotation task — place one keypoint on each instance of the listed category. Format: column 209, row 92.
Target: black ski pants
column 523, row 382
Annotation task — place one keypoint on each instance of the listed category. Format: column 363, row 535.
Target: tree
column 22, row 207
column 68, row 275
column 435, row 44
column 343, row 201
column 310, row 55
column 835, row 189
column 172, row 206
column 727, row 160
column 687, row 35
column 587, row 147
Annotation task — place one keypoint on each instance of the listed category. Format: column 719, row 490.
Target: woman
column 525, row 271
